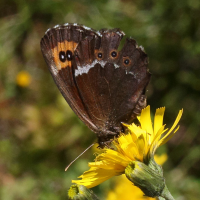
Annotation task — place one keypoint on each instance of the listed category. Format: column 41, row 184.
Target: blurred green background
column 40, row 135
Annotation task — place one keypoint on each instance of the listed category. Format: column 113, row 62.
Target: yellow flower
column 139, row 144
column 23, row 79
column 125, row 189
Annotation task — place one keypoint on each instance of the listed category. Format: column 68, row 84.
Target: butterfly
column 103, row 85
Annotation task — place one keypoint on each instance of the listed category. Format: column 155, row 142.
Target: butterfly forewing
column 61, row 40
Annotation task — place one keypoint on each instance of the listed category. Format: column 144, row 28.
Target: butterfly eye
column 69, row 55
column 114, row 54
column 100, row 55
column 62, row 56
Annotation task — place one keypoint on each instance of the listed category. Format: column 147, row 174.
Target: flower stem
column 166, row 194
column 160, row 198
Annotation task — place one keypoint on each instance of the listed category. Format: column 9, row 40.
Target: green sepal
column 150, row 181
column 154, row 166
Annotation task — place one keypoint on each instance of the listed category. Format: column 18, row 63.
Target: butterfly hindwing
column 109, row 86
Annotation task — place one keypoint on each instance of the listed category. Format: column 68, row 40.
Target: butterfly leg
column 142, row 102
column 105, row 140
column 105, row 144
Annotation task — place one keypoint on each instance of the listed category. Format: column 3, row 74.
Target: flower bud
column 80, row 192
column 150, row 181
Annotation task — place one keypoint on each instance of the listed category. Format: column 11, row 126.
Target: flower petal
column 158, row 119
column 111, row 160
column 145, row 120
column 169, row 135
column 156, row 141
column 95, row 176
column 141, row 146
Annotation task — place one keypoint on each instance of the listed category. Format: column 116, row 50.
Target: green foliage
column 40, row 135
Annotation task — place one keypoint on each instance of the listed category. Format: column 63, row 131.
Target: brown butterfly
column 102, row 85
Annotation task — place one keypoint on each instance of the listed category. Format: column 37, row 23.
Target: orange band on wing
column 63, row 46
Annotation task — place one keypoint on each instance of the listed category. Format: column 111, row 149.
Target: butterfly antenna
column 78, row 157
